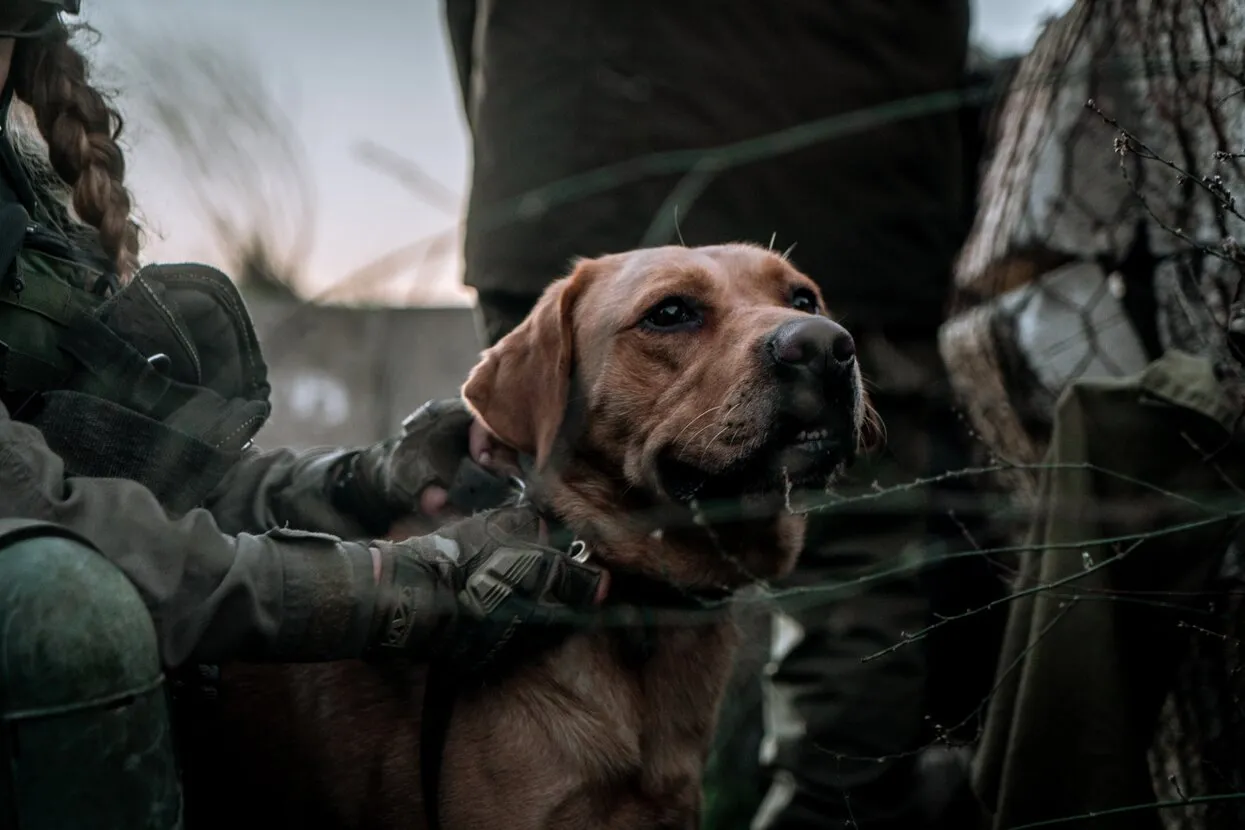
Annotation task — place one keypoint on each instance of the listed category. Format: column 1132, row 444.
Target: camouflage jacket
column 1138, row 503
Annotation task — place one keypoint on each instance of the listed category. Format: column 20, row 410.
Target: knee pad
column 85, row 735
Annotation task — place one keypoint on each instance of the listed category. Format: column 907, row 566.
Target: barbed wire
column 698, row 168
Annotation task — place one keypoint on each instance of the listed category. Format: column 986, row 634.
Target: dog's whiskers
column 734, row 441
column 688, row 425
column 713, row 423
column 709, row 444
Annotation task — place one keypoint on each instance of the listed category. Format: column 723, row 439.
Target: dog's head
column 674, row 381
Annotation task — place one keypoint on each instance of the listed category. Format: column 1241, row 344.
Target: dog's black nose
column 815, row 344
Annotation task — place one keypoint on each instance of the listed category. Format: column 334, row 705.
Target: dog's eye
column 802, row 299
column 672, row 313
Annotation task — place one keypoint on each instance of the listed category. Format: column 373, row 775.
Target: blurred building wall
column 344, row 376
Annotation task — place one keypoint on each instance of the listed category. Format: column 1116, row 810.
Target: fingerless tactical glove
column 462, row 594
column 383, row 482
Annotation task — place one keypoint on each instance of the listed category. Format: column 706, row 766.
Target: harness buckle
column 578, row 551
column 521, row 487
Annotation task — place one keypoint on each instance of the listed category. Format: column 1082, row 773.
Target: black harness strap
column 13, row 223
column 440, row 690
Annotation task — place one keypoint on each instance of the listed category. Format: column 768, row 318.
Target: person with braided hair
column 81, row 131
column 141, row 533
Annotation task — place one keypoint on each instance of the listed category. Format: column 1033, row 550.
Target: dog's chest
column 586, row 728
column 634, row 704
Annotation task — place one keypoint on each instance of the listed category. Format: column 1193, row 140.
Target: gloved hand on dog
column 444, row 465
column 461, row 595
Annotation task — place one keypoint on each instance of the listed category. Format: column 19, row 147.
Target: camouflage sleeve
column 282, row 488
column 282, row 595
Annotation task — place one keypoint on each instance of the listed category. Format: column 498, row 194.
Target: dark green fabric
column 107, row 410
column 123, row 464
column 1150, row 460
column 84, row 738
column 557, row 89
column 161, row 383
column 32, row 360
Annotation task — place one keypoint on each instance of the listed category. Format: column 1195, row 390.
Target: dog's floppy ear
column 519, row 389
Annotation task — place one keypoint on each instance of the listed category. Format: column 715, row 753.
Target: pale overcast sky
column 349, row 70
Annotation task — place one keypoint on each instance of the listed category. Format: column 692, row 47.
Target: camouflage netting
column 1110, row 230
column 1141, row 246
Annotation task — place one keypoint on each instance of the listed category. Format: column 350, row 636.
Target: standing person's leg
column 544, row 92
column 842, row 723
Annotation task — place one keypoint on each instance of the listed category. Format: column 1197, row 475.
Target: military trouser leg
column 834, row 723
column 85, row 740
column 844, row 723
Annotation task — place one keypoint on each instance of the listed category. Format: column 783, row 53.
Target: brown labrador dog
column 648, row 386
column 651, row 389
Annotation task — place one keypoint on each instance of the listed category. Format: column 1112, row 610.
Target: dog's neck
column 628, row 586
column 617, row 526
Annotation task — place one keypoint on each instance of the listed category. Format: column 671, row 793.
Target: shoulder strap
column 13, row 222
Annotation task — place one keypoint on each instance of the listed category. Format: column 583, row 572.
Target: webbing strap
column 115, row 370
column 27, row 361
column 19, row 370
column 50, row 298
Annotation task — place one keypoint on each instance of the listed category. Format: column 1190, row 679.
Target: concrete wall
column 344, row 376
